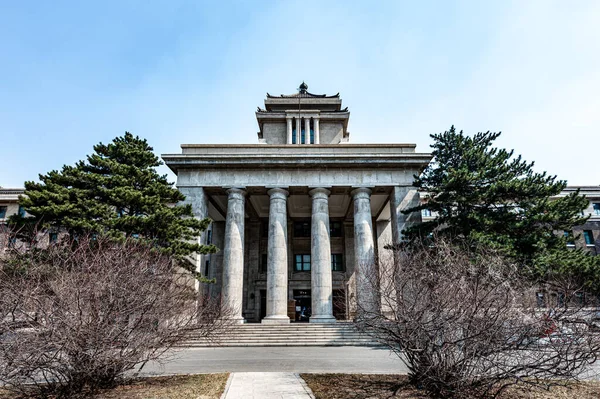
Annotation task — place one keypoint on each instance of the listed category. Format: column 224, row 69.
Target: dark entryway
column 263, row 304
column 303, row 305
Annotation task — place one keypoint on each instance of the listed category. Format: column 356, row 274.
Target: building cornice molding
column 289, row 156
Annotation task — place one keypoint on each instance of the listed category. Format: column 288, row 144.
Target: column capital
column 278, row 192
column 361, row 192
column 236, row 192
column 319, row 192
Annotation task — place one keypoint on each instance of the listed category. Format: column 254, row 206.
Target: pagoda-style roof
column 304, row 100
column 303, row 93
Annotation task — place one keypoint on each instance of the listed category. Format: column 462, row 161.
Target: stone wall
column 275, row 132
column 330, row 132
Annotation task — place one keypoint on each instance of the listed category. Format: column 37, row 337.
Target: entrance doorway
column 263, row 304
column 303, row 305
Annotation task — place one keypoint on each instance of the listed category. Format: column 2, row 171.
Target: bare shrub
column 77, row 316
column 466, row 324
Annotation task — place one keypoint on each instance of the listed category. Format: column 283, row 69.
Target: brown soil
column 199, row 386
column 377, row 386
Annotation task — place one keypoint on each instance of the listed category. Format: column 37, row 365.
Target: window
column 301, row 229
column 302, row 263
column 336, row 229
column 569, row 236
column 53, row 237
column 303, row 136
column 337, row 263
column 208, row 237
column 294, row 132
column 596, row 207
column 21, row 211
column 3, row 212
column 263, row 263
column 589, row 237
column 426, row 213
column 206, row 267
column 539, row 296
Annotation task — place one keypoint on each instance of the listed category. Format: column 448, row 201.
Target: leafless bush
column 467, row 325
column 77, row 316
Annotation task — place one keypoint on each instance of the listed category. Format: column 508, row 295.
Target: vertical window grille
column 337, row 263
column 294, row 131
column 3, row 212
column 589, row 237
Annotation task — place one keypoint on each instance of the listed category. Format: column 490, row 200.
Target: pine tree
column 485, row 193
column 116, row 191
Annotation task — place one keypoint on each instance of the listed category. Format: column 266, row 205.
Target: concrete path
column 348, row 359
column 267, row 386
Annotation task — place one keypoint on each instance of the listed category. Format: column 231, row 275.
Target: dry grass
column 199, row 386
column 372, row 386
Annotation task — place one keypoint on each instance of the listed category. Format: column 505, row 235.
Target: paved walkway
column 267, row 386
column 347, row 359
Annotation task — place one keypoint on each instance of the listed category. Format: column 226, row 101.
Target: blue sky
column 75, row 73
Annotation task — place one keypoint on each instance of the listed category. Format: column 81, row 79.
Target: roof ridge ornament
column 303, row 88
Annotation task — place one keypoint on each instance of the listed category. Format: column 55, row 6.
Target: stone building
column 587, row 235
column 299, row 215
column 9, row 205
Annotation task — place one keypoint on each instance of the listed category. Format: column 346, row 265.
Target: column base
column 237, row 320
column 276, row 320
column 322, row 319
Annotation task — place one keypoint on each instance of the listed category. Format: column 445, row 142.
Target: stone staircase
column 293, row 334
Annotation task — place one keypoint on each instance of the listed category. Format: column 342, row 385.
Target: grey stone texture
column 321, row 274
column 277, row 258
column 403, row 198
column 331, row 132
column 233, row 254
column 275, row 133
column 364, row 250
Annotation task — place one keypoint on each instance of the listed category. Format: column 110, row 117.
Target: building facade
column 587, row 235
column 300, row 216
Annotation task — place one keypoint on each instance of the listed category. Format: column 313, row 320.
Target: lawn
column 377, row 386
column 198, row 386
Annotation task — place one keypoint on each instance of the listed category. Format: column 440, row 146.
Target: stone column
column 320, row 259
column 364, row 252
column 317, row 134
column 277, row 259
column 403, row 198
column 233, row 254
column 289, row 130
column 298, row 128
column 196, row 197
column 307, row 129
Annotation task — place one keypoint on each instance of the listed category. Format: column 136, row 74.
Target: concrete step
column 293, row 334
column 280, row 343
column 284, row 334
